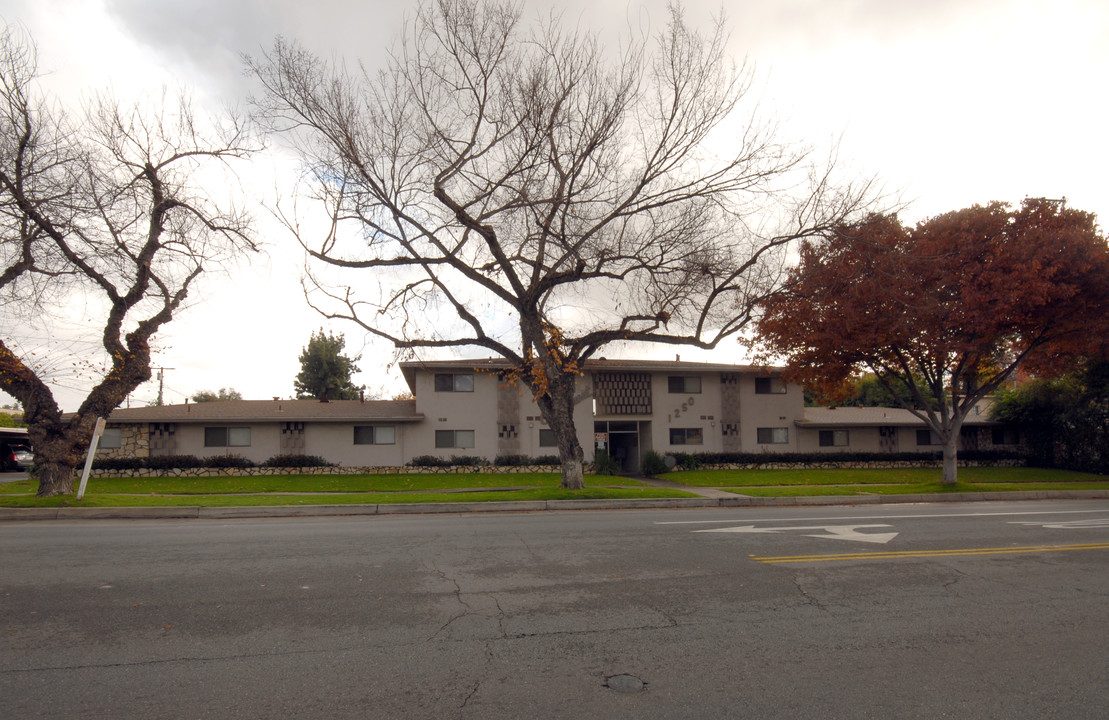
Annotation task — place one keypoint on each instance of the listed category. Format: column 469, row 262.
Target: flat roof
column 409, row 367
column 839, row 417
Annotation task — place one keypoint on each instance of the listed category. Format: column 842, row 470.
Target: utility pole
column 161, row 382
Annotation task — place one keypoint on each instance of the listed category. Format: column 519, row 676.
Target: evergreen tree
column 325, row 371
column 212, row 396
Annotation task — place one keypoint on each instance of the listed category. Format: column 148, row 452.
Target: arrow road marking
column 831, row 532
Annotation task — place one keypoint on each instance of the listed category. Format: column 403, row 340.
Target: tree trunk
column 573, row 477
column 60, row 448
column 555, row 399
column 55, row 478
column 951, row 459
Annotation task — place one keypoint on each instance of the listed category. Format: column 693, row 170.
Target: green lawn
column 994, row 478
column 328, row 483
column 467, row 487
column 851, row 482
column 330, row 490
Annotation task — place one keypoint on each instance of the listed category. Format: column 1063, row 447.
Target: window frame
column 442, row 435
column 440, row 382
column 375, row 432
column 547, row 432
column 228, row 431
column 683, row 384
column 685, row 436
column 111, row 438
column 832, row 436
column 773, row 385
column 772, row 432
column 933, row 439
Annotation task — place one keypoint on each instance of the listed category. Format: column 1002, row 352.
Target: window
column 686, row 436
column 454, row 382
column 927, row 437
column 112, row 438
column 770, row 386
column 834, row 438
column 454, row 438
column 684, row 384
column 547, row 438
column 226, row 437
column 773, row 436
column 375, row 435
column 1006, row 435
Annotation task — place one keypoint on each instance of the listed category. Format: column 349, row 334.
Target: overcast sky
column 948, row 102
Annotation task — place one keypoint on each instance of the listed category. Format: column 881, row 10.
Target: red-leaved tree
column 960, row 300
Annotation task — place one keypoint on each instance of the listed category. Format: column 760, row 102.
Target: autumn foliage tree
column 958, row 302
column 537, row 194
column 105, row 212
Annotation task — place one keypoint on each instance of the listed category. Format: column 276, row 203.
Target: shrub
column 525, row 460
column 295, row 461
column 604, row 464
column 118, row 463
column 169, row 462
column 788, row 458
column 653, row 463
column 428, row 461
column 687, row 461
column 227, row 461
column 460, row 460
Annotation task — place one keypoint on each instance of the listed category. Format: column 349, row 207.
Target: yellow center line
column 890, row 555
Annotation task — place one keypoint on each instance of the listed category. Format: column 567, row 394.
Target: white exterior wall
column 477, row 411
column 686, row 410
column 265, row 440
column 768, row 411
column 860, row 439
column 334, row 442
column 529, row 429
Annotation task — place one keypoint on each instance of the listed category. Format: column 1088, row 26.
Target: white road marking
column 1069, row 524
column 831, row 532
column 884, row 517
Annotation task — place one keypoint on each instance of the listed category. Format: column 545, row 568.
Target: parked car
column 15, row 456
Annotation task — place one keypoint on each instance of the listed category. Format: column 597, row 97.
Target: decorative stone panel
column 622, row 393
column 508, row 418
column 292, row 438
column 731, row 440
column 163, row 439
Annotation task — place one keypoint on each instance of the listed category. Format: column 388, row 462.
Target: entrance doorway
column 623, row 442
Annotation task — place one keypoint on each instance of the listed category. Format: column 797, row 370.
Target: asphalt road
column 983, row 610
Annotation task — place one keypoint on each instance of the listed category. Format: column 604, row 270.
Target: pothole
column 625, row 683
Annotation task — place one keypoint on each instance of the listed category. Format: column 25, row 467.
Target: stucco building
column 467, row 407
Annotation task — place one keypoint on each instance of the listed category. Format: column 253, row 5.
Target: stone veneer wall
column 134, row 441
column 351, row 470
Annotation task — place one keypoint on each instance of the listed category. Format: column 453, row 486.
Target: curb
column 187, row 512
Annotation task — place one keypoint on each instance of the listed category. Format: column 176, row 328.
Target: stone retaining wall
column 256, row 471
column 508, row 470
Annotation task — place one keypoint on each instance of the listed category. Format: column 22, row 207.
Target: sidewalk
column 711, row 498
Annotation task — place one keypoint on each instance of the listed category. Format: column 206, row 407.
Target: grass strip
column 907, row 489
column 726, row 479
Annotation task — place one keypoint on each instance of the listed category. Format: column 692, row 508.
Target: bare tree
column 539, row 194
column 110, row 212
